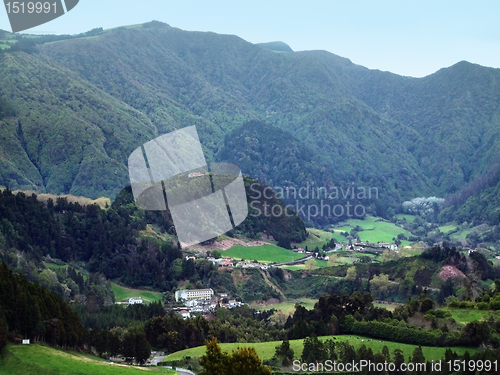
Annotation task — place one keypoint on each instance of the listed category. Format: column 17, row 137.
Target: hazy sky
column 413, row 38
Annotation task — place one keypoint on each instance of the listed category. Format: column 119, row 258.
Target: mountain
column 76, row 108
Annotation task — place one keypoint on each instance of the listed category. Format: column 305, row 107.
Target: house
column 185, row 314
column 135, row 301
column 394, row 247
column 190, row 294
column 188, row 257
column 226, row 263
column 195, row 174
column 384, row 244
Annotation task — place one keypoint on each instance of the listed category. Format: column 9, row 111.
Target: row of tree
column 29, row 311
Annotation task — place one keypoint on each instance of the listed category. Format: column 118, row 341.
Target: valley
column 370, row 229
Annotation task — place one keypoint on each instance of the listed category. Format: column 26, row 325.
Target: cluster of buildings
column 230, row 263
column 380, row 246
column 202, row 301
column 131, row 301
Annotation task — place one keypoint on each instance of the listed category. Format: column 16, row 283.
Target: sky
column 407, row 37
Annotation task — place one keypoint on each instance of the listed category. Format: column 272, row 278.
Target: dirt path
column 268, row 282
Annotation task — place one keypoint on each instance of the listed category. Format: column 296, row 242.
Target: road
column 181, row 371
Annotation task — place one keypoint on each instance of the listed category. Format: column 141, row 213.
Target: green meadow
column 408, row 218
column 375, row 230
column 299, row 267
column 288, row 307
column 460, row 235
column 318, row 237
column 447, row 228
column 266, row 350
column 469, row 315
column 264, row 253
column 43, row 360
column 123, row 293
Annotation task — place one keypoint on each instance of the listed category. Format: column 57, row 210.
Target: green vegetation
column 469, row 315
column 448, row 228
column 377, row 230
column 122, row 293
column 42, row 360
column 318, row 238
column 288, row 307
column 264, row 253
column 317, row 264
column 408, row 218
column 91, row 112
column 265, row 350
column 242, row 361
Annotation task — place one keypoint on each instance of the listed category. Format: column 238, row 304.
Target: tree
column 351, row 273
column 3, row 331
column 310, row 265
column 418, row 357
column 243, row 361
column 214, row 361
column 284, row 351
column 398, row 359
column 380, row 285
column 314, row 350
column 142, row 348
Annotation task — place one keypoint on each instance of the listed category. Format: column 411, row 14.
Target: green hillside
column 42, row 360
column 264, row 253
column 78, row 106
column 265, row 350
column 122, row 293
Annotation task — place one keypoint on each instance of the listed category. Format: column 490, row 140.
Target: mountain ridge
column 408, row 136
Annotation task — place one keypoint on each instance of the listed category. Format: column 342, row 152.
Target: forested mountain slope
column 76, row 108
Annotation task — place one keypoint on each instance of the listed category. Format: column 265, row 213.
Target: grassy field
column 288, row 307
column 43, row 360
column 318, row 237
column 382, row 232
column 469, row 315
column 460, row 235
column 266, row 350
column 375, row 230
column 447, row 228
column 409, row 218
column 264, row 253
column 297, row 267
column 54, row 266
column 122, row 293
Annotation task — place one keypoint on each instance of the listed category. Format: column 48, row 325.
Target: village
column 190, row 302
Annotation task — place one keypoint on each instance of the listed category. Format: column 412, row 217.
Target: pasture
column 122, row 293
column 44, row 360
column 266, row 350
column 264, row 253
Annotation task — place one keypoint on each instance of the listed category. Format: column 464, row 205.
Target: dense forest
column 114, row 241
